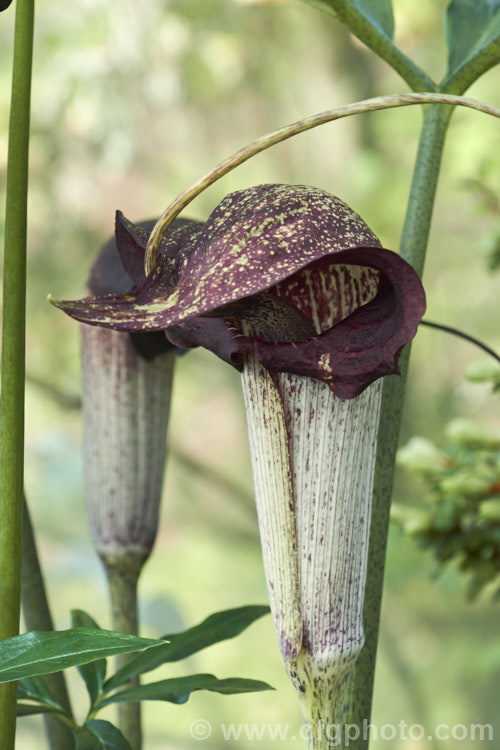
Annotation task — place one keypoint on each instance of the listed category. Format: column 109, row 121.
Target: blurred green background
column 131, row 103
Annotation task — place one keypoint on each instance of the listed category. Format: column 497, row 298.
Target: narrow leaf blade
column 219, row 626
column 25, row 709
column 38, row 653
column 35, row 688
column 97, row 734
column 93, row 673
column 178, row 690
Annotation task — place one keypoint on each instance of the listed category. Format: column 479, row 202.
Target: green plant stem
column 37, row 617
column 13, row 354
column 277, row 136
column 472, row 68
column 418, row 218
column 413, row 247
column 123, row 576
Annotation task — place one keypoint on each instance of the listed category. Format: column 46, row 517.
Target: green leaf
column 26, row 709
column 470, row 26
column 39, row 653
column 377, row 13
column 35, row 688
column 178, row 689
column 217, row 627
column 473, row 38
column 99, row 735
column 93, row 673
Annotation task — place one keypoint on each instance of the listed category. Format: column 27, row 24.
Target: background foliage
column 131, row 102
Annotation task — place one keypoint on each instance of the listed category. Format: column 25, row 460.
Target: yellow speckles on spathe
column 254, row 240
column 255, row 230
column 324, row 362
column 159, row 305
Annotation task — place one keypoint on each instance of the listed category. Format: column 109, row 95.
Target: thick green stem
column 123, row 575
column 37, row 617
column 413, row 247
column 13, row 356
column 423, row 190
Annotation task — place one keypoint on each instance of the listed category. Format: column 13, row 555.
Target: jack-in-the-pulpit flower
column 126, row 381
column 126, row 389
column 288, row 284
column 234, row 266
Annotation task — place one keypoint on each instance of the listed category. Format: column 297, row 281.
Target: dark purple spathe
column 259, row 248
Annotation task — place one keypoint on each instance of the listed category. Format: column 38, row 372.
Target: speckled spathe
column 254, row 254
column 126, row 386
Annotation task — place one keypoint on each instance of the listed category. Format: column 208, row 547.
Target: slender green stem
column 13, row 356
column 123, row 576
column 270, row 139
column 37, row 617
column 413, row 247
